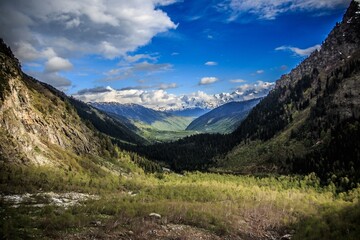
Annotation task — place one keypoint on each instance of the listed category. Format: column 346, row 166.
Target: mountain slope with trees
column 308, row 123
column 223, row 119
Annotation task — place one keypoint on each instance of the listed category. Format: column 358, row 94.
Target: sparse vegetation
column 226, row 205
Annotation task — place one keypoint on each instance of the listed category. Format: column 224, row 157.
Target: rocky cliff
column 37, row 125
column 341, row 45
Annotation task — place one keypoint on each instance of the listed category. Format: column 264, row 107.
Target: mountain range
column 162, row 121
column 223, row 119
column 173, row 103
column 282, row 166
column 308, row 123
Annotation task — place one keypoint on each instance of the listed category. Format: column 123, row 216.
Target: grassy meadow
column 228, row 206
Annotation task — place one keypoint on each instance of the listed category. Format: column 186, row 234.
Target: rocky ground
column 47, row 198
column 152, row 227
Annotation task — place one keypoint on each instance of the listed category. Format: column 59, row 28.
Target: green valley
column 281, row 167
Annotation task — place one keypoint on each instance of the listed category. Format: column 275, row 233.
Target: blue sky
column 177, row 47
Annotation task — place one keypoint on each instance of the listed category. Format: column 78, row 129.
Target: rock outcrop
column 37, row 125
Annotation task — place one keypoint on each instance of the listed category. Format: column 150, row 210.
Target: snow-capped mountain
column 163, row 101
column 159, row 120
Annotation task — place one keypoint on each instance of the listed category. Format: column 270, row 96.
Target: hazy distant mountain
column 190, row 112
column 158, row 119
column 223, row 119
column 154, row 99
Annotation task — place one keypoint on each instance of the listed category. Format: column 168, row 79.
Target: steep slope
column 310, row 121
column 223, row 119
column 159, row 120
column 117, row 127
column 39, row 125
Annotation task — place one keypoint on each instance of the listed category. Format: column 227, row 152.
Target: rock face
column 341, row 44
column 37, row 125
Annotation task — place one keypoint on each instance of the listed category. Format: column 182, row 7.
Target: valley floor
column 189, row 206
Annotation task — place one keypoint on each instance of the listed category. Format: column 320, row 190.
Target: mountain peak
column 342, row 44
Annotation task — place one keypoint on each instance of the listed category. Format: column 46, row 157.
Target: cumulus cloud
column 268, row 10
column 135, row 69
column 208, row 80
column 210, row 63
column 260, row 71
column 162, row 100
column 56, row 64
column 299, row 51
column 106, row 27
column 259, row 86
column 52, row 33
column 54, row 79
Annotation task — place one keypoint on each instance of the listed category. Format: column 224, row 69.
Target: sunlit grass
column 223, row 204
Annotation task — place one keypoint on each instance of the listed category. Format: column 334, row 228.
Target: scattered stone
column 155, row 215
column 131, row 232
column 96, row 223
column 132, row 194
column 286, row 237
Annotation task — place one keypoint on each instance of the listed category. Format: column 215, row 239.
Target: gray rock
column 155, row 215
column 286, row 237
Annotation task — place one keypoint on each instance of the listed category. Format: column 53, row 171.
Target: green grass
column 161, row 132
column 172, row 124
column 223, row 204
column 262, row 156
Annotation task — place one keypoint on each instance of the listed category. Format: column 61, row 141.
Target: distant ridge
column 223, row 119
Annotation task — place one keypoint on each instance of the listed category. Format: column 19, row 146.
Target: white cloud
column 237, row 81
column 135, row 69
column 108, row 50
column 265, row 9
column 151, row 67
column 162, row 100
column 208, row 80
column 260, row 71
column 26, row 51
column 54, row 79
column 299, row 51
column 137, row 57
column 106, row 27
column 210, row 63
column 40, row 31
column 255, row 90
column 56, row 64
